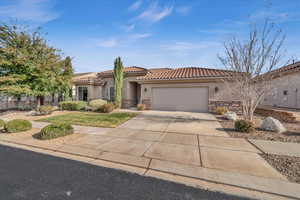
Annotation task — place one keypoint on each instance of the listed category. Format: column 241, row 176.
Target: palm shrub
column 2, row 123
column 72, row 105
column 17, row 125
column 55, row 130
column 244, row 126
column 118, row 76
column 97, row 104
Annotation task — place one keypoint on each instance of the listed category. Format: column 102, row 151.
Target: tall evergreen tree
column 118, row 76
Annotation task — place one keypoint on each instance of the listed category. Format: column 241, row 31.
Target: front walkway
column 164, row 144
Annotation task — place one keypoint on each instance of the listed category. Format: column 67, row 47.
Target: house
column 182, row 89
column 286, row 87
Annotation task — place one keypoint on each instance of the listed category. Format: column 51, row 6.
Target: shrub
column 45, row 110
column 221, row 110
column 17, row 125
column 107, row 108
column 72, row 105
column 244, row 126
column 2, row 123
column 141, row 106
column 55, row 130
column 97, row 104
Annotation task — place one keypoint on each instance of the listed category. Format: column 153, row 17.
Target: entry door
column 194, row 99
column 83, row 93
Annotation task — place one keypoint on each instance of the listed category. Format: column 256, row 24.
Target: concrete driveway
column 176, row 122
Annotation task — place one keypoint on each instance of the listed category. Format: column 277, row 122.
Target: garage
column 192, row 99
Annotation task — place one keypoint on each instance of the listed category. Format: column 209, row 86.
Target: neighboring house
column 182, row 89
column 286, row 87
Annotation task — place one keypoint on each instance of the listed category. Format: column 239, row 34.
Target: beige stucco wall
column 146, row 89
column 94, row 92
column 276, row 97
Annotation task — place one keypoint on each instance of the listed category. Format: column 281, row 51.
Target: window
column 82, row 93
column 112, row 93
column 285, row 92
column 216, row 89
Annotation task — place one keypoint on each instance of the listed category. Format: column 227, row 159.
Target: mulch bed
column 287, row 165
column 292, row 135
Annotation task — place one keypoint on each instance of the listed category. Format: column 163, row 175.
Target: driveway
column 176, row 122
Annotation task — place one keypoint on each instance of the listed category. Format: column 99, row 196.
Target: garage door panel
column 180, row 99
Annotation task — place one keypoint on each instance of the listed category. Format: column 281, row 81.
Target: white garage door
column 193, row 99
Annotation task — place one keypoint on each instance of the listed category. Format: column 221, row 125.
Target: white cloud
column 129, row 28
column 183, row 46
column 140, row 35
column 155, row 13
column 108, row 43
column 34, row 11
column 183, row 10
column 136, row 5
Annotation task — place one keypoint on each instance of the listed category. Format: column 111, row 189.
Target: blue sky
column 150, row 33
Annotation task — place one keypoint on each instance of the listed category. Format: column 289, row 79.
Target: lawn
column 105, row 120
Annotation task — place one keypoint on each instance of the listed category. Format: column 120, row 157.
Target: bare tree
column 253, row 59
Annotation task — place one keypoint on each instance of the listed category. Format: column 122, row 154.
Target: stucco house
column 182, row 89
column 285, row 87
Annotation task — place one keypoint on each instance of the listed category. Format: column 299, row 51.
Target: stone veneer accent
column 284, row 116
column 147, row 103
column 234, row 106
column 128, row 103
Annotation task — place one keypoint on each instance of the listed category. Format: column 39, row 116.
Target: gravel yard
column 287, row 165
column 292, row 135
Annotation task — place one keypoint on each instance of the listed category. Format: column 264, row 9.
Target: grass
column 105, row 120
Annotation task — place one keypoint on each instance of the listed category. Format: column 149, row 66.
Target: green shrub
column 221, row 110
column 2, row 123
column 72, row 105
column 17, row 125
column 97, row 104
column 45, row 110
column 55, row 130
column 141, row 106
column 107, row 108
column 244, row 126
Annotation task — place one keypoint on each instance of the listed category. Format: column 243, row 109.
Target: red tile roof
column 187, row 73
column 295, row 67
column 132, row 69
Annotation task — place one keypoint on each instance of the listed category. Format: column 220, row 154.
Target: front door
column 83, row 93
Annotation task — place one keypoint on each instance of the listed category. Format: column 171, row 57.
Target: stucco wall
column 285, row 92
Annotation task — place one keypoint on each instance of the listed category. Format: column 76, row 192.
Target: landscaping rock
column 271, row 124
column 32, row 113
column 231, row 116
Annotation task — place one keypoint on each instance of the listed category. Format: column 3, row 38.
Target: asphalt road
column 33, row 176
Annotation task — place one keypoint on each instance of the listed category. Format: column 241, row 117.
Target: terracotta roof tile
column 186, row 73
column 127, row 70
column 288, row 68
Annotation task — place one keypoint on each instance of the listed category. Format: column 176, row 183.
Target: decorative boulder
column 231, row 116
column 271, row 124
column 32, row 113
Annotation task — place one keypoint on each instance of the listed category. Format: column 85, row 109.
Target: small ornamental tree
column 118, row 76
column 254, row 59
